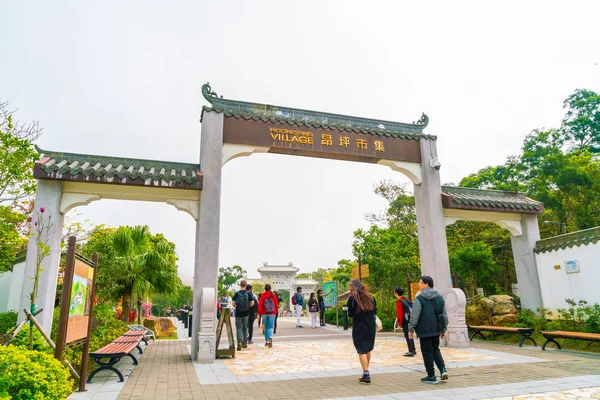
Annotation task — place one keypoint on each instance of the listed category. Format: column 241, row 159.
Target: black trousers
column 251, row 319
column 409, row 342
column 430, row 349
column 275, row 325
column 322, row 317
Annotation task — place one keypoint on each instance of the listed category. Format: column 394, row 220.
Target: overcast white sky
column 123, row 78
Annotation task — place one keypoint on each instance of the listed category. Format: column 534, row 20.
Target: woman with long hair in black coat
column 362, row 307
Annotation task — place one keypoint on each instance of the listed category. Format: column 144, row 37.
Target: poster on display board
column 330, row 290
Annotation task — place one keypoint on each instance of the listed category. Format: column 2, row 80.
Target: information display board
column 330, row 290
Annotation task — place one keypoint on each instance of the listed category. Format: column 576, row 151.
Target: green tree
column 162, row 301
column 559, row 167
column 390, row 245
column 229, row 276
column 17, row 157
column 342, row 274
column 133, row 264
column 581, row 125
column 462, row 234
column 474, row 265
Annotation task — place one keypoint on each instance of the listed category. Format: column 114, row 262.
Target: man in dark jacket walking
column 429, row 320
column 252, row 315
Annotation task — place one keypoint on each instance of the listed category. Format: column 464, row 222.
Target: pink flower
column 42, row 209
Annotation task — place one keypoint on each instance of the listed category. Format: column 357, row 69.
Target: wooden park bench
column 119, row 348
column 551, row 337
column 524, row 332
column 148, row 335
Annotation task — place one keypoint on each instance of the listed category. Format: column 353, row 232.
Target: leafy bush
column 8, row 320
column 39, row 343
column 388, row 324
column 529, row 319
column 28, row 374
column 579, row 317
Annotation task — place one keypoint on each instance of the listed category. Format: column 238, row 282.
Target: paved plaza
column 322, row 364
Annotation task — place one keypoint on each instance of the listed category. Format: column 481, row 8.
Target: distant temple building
column 283, row 277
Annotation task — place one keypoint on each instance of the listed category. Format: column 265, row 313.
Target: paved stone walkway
column 485, row 371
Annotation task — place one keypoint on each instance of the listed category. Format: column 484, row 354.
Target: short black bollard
column 190, row 325
column 345, row 317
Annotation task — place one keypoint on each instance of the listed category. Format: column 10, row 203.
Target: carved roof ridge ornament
column 208, row 93
column 313, row 119
column 424, row 121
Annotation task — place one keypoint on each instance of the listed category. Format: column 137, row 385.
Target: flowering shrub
column 28, row 374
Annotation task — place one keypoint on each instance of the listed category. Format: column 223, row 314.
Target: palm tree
column 147, row 263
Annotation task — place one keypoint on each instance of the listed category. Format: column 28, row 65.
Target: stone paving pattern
column 167, row 372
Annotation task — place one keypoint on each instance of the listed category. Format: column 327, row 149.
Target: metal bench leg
column 550, row 341
column 525, row 337
column 106, row 366
column 139, row 349
column 135, row 361
column 145, row 341
column 476, row 333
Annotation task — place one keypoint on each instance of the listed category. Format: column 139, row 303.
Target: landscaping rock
column 494, row 310
column 501, row 320
column 162, row 327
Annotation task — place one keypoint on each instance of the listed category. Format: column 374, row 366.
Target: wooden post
column 65, row 300
column 86, row 345
column 359, row 270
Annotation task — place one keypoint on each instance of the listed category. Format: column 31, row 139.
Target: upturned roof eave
column 100, row 158
column 295, row 116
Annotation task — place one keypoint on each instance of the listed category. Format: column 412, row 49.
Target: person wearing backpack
column 267, row 308
column 403, row 312
column 429, row 320
column 298, row 301
column 242, row 301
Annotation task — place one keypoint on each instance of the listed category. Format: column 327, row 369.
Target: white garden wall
column 556, row 268
column 11, row 284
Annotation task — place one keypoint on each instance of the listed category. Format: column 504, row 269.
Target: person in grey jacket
column 429, row 320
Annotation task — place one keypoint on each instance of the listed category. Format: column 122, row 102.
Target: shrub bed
column 28, row 374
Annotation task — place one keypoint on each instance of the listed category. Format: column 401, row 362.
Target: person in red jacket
column 403, row 315
column 267, row 309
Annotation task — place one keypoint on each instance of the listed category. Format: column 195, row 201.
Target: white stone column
column 206, row 266
column 527, row 273
column 48, row 196
column 433, row 247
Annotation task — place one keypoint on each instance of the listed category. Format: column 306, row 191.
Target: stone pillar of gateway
column 233, row 129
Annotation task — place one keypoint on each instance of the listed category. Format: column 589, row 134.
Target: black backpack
column 407, row 306
column 242, row 303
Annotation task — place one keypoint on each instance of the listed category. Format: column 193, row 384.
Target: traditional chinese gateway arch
column 234, row 128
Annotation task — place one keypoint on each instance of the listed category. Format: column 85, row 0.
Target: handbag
column 378, row 324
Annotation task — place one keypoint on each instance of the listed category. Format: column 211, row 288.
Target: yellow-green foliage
column 28, row 375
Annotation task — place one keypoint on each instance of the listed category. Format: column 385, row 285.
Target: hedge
column 28, row 374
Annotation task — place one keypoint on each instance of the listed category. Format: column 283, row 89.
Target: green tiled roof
column 313, row 119
column 94, row 168
column 492, row 200
column 578, row 238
